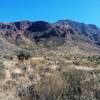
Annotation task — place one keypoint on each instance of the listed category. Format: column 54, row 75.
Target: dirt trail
column 80, row 67
column 85, row 68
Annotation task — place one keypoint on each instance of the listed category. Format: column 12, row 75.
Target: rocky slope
column 44, row 61
column 65, row 33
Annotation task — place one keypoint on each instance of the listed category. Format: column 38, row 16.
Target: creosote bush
column 24, row 55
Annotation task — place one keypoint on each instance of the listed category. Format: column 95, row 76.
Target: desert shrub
column 24, row 55
column 73, row 91
column 23, row 66
column 50, row 87
column 70, row 85
column 76, row 63
column 26, row 93
column 97, row 94
column 94, row 59
column 18, row 40
column 2, row 75
column 8, row 57
column 1, row 66
column 82, row 85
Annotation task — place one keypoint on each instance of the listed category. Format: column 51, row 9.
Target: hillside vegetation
column 43, row 61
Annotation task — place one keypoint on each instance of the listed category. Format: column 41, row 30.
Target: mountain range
column 65, row 35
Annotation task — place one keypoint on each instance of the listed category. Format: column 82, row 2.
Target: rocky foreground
column 50, row 78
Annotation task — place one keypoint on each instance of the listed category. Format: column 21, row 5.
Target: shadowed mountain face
column 55, row 34
column 39, row 26
column 64, row 30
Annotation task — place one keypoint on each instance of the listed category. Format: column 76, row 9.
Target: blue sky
column 87, row 11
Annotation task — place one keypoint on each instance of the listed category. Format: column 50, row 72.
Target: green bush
column 94, row 59
column 24, row 55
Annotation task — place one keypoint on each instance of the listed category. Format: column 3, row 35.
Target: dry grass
column 41, row 79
